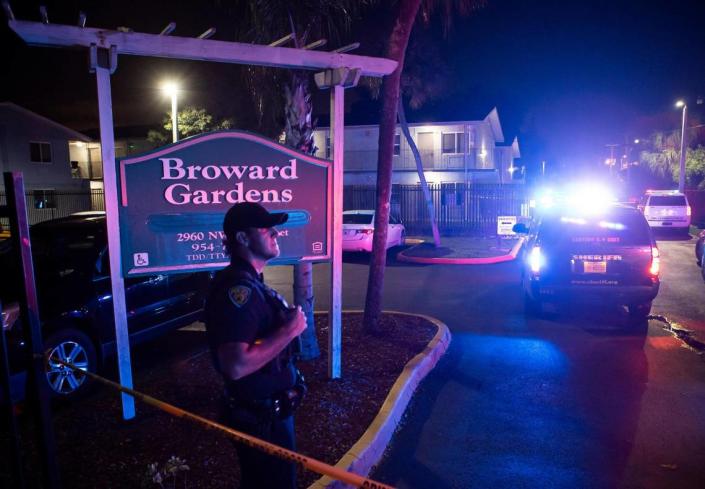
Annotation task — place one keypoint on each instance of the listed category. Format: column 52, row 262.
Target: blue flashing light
column 611, row 225
column 590, row 198
column 574, row 220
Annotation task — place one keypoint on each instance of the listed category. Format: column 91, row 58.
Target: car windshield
column 357, row 218
column 616, row 229
column 667, row 200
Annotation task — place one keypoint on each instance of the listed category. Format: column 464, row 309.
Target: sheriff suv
column 666, row 209
column 605, row 257
column 75, row 301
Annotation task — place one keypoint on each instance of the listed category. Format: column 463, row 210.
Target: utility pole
column 681, row 176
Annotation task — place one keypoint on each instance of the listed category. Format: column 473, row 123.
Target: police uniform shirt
column 240, row 308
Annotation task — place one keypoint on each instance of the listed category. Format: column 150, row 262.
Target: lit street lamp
column 172, row 89
column 681, row 179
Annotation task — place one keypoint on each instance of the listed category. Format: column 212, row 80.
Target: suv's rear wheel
column 639, row 312
column 74, row 347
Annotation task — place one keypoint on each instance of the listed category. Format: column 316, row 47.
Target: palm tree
column 298, row 133
column 305, row 20
column 405, row 17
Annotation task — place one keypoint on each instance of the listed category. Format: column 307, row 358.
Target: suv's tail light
column 687, row 210
column 10, row 313
column 655, row 267
column 536, row 260
column 365, row 231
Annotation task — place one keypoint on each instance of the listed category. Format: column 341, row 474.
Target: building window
column 453, row 142
column 40, row 152
column 327, row 147
column 397, row 144
column 44, row 199
column 76, row 170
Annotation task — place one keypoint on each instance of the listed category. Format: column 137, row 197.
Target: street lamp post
column 681, row 179
column 172, row 90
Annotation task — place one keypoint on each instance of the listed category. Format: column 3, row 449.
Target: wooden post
column 337, row 108
column 107, row 150
column 32, row 331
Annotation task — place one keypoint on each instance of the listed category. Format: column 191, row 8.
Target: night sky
column 567, row 77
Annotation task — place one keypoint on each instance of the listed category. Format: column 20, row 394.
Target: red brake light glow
column 655, row 267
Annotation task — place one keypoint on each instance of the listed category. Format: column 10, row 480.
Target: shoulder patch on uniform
column 239, row 295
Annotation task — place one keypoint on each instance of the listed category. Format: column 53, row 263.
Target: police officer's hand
column 297, row 324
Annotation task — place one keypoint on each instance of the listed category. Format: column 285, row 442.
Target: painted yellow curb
column 370, row 447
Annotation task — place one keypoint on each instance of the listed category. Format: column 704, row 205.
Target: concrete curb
column 463, row 261
column 371, row 446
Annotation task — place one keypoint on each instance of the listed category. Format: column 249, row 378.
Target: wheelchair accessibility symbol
column 141, row 259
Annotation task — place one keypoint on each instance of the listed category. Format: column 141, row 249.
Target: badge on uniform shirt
column 239, row 295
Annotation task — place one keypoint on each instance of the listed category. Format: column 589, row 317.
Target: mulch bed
column 98, row 449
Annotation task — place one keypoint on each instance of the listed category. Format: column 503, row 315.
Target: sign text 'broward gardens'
column 173, row 200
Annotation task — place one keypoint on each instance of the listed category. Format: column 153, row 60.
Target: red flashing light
column 655, row 267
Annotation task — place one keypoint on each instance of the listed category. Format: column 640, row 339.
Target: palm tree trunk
column 303, row 296
column 419, row 169
column 396, row 49
column 299, row 134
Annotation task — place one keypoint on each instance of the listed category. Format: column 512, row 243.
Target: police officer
column 250, row 329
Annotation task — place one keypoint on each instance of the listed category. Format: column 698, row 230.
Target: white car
column 358, row 229
column 666, row 209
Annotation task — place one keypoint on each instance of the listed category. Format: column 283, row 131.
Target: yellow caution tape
column 283, row 453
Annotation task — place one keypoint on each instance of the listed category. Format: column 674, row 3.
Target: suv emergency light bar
column 588, row 198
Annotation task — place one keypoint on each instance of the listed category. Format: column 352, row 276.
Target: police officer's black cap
column 251, row 215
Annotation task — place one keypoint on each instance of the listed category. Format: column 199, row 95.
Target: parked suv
column 75, row 301
column 666, row 209
column 608, row 257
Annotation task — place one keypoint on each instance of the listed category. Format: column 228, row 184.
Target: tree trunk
column 299, row 134
column 303, row 296
column 396, row 49
column 422, row 177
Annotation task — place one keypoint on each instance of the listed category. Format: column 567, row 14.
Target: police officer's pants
column 260, row 470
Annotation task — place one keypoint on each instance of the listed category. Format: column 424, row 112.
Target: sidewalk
column 461, row 250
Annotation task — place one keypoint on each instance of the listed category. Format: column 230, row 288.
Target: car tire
column 532, row 307
column 702, row 269
column 638, row 313
column 75, row 347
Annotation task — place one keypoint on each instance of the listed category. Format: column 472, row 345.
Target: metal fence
column 43, row 205
column 460, row 209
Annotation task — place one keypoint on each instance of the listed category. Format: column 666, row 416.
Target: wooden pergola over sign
column 339, row 71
